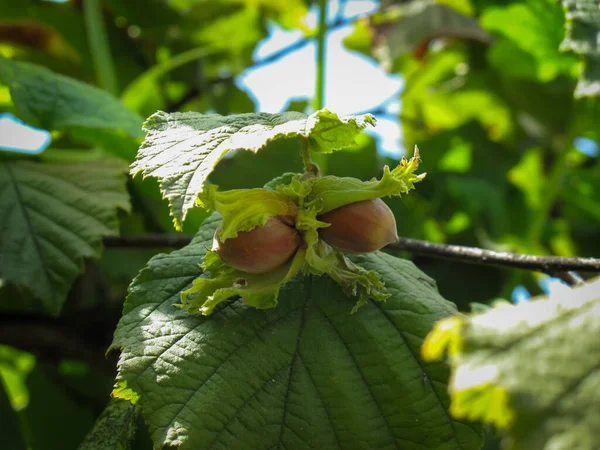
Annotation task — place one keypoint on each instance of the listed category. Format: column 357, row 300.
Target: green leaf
column 289, row 14
column 15, row 366
column 242, row 28
column 55, row 102
column 182, row 149
column 114, row 429
column 529, row 176
column 532, row 368
column 305, row 374
column 532, row 32
column 244, row 209
column 581, row 36
column 432, row 103
column 53, row 217
column 138, row 92
column 361, row 38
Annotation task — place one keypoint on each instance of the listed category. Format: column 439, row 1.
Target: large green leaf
column 182, row 149
column 532, row 368
column 54, row 216
column 55, row 102
column 582, row 32
column 114, row 429
column 532, row 32
column 307, row 374
column 432, row 103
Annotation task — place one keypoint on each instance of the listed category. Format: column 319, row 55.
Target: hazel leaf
column 532, row 369
column 54, row 216
column 305, row 374
column 182, row 149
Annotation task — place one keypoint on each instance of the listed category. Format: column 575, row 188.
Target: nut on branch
column 262, row 249
column 359, row 227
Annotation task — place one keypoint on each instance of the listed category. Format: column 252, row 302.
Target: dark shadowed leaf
column 114, row 429
column 53, row 217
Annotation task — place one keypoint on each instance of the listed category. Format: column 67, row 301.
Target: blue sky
column 353, row 82
column 19, row 137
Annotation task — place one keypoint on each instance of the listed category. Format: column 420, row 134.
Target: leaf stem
column 552, row 189
column 99, row 46
column 320, row 79
column 319, row 101
column 309, row 166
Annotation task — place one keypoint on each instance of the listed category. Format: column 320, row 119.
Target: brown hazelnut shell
column 261, row 249
column 359, row 227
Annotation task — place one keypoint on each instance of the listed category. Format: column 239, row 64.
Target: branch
column 553, row 265
column 51, row 341
column 571, row 278
column 474, row 255
column 148, row 241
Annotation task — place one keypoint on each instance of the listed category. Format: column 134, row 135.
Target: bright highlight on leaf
column 182, row 149
column 581, row 37
column 532, row 366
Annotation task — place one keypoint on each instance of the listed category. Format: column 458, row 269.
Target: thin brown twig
column 51, row 341
column 475, row 255
column 571, row 278
column 148, row 241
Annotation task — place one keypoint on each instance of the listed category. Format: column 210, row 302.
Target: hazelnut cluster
column 298, row 223
column 360, row 227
